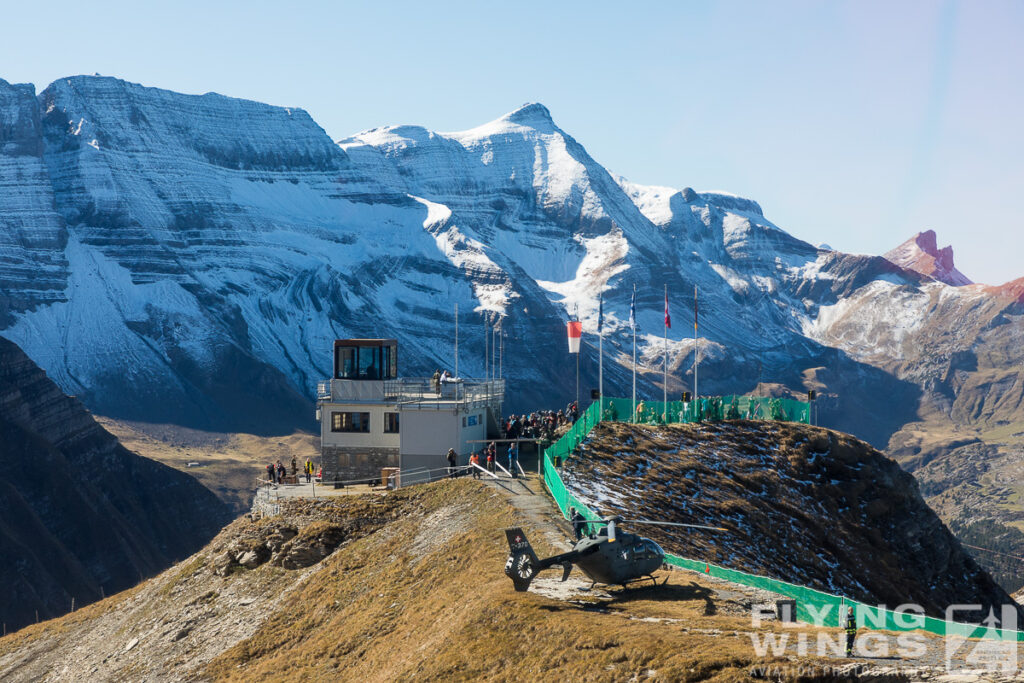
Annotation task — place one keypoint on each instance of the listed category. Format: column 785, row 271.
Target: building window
column 350, row 422
column 390, row 423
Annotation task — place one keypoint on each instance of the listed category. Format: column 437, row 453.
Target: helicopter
column 607, row 557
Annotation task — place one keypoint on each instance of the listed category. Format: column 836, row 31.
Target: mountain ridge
column 190, row 259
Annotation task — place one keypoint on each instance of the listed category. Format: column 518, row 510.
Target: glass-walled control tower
column 372, row 359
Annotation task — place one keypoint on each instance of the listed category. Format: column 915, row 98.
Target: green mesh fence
column 710, row 408
column 812, row 606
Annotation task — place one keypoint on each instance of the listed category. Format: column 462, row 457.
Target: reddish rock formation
column 921, row 254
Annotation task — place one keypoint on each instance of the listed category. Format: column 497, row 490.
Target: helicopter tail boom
column 522, row 564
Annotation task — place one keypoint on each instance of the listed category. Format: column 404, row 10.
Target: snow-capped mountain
column 191, row 258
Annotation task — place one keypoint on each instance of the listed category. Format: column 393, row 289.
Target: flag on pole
column 668, row 318
column 575, row 329
column 632, row 310
column 600, row 313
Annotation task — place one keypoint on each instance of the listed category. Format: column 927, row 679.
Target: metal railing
column 323, row 389
column 421, row 392
column 425, row 392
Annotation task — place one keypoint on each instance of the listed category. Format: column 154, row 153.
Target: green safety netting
column 812, row 606
column 708, row 408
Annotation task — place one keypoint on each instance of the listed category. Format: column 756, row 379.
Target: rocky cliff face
column 81, row 516
column 798, row 503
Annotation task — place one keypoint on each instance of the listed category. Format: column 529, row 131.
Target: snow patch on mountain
column 603, row 261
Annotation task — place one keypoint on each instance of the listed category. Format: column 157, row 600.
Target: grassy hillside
column 799, row 503
column 414, row 591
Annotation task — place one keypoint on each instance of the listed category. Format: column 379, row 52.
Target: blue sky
column 852, row 123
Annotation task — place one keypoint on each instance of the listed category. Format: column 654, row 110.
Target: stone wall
column 352, row 463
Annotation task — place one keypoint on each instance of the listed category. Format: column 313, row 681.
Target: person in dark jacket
column 851, row 631
column 270, row 473
column 578, row 521
column 452, row 458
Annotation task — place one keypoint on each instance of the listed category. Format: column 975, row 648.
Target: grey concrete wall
column 427, row 432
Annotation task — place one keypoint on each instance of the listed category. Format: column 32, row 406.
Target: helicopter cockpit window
column 646, row 550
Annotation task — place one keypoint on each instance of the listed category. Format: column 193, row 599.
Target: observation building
column 370, row 418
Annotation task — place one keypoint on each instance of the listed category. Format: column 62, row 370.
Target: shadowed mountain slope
column 80, row 515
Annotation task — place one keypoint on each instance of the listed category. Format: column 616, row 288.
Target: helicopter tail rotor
column 522, row 564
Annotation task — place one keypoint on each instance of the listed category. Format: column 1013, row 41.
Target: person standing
column 513, row 459
column 474, row 461
column 270, row 473
column 452, row 458
column 578, row 521
column 295, row 467
column 851, row 631
column 309, row 469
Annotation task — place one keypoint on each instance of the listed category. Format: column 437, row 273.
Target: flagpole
column 600, row 355
column 632, row 318
column 665, row 380
column 577, row 316
column 600, row 370
column 456, row 339
column 696, row 349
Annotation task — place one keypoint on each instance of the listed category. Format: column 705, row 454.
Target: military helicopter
column 607, row 557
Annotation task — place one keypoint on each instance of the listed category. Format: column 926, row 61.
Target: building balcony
column 414, row 392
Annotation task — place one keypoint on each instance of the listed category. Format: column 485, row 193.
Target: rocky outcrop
column 282, row 545
column 80, row 516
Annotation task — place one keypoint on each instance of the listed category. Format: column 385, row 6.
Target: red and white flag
column 575, row 329
column 668, row 318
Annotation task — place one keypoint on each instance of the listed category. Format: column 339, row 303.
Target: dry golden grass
column 379, row 613
column 375, row 610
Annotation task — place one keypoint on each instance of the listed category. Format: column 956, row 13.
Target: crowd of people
column 542, row 424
